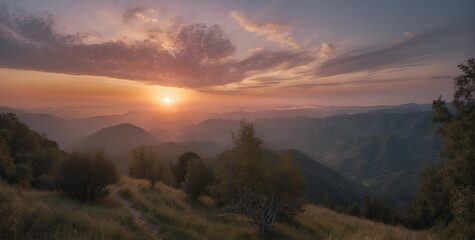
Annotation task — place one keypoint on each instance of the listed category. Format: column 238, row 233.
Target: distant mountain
column 170, row 151
column 56, row 128
column 117, row 139
column 368, row 148
column 214, row 130
column 320, row 179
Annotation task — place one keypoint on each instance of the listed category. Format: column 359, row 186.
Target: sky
column 82, row 58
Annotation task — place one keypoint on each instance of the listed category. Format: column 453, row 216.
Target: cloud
column 137, row 12
column 201, row 55
column 415, row 50
column 326, row 49
column 276, row 32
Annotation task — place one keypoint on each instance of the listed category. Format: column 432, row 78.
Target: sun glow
column 167, row 100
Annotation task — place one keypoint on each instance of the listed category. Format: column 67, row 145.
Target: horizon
column 77, row 60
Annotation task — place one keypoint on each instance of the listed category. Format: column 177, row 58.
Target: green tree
column 7, row 168
column 327, row 201
column 200, row 175
column 430, row 205
column 374, row 208
column 145, row 165
column 458, row 129
column 86, row 174
column 354, row 210
column 256, row 186
column 181, row 167
column 33, row 154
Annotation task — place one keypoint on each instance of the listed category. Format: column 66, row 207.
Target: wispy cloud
column 138, row 12
column 201, row 55
column 326, row 50
column 417, row 49
column 276, row 32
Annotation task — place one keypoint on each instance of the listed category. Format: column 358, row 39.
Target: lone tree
column 458, row 129
column 145, row 165
column 200, row 175
column 182, row 166
column 86, row 174
column 263, row 189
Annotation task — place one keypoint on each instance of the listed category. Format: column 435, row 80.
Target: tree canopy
column 146, row 165
column 86, row 174
column 253, row 185
column 458, row 130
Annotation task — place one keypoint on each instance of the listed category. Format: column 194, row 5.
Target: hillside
column 116, row 139
column 178, row 217
column 320, row 179
column 366, row 147
column 30, row 214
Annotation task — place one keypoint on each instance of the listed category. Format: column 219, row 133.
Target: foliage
column 200, row 175
column 354, row 210
column 145, row 165
column 86, row 174
column 430, row 204
column 181, row 168
column 257, row 187
column 374, row 208
column 7, row 167
column 458, row 130
column 33, row 154
column 327, row 201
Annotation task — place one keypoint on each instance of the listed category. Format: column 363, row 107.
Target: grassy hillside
column 178, row 217
column 28, row 214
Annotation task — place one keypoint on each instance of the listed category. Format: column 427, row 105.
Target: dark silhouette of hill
column 116, row 139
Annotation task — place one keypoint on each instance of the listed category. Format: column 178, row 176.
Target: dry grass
column 182, row 218
column 29, row 214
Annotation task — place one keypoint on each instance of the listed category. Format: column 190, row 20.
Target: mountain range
column 379, row 148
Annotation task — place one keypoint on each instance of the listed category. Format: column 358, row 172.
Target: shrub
column 86, row 174
column 198, row 178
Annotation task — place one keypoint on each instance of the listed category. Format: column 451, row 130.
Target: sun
column 167, row 100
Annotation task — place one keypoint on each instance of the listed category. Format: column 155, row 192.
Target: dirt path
column 139, row 218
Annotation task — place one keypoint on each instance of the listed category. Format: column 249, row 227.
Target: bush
column 182, row 166
column 145, row 165
column 86, row 174
column 198, row 178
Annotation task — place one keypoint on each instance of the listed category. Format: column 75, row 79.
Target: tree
column 258, row 187
column 145, row 165
column 7, row 168
column 458, row 129
column 86, row 174
column 430, row 205
column 200, row 175
column 181, row 167
column 353, row 210
column 374, row 208
column 327, row 201
column 33, row 154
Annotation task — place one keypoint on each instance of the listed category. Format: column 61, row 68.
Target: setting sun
column 167, row 100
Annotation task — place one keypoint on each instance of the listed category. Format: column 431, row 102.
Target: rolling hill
column 117, row 139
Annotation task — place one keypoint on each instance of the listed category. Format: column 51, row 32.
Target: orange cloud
column 276, row 32
column 326, row 49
